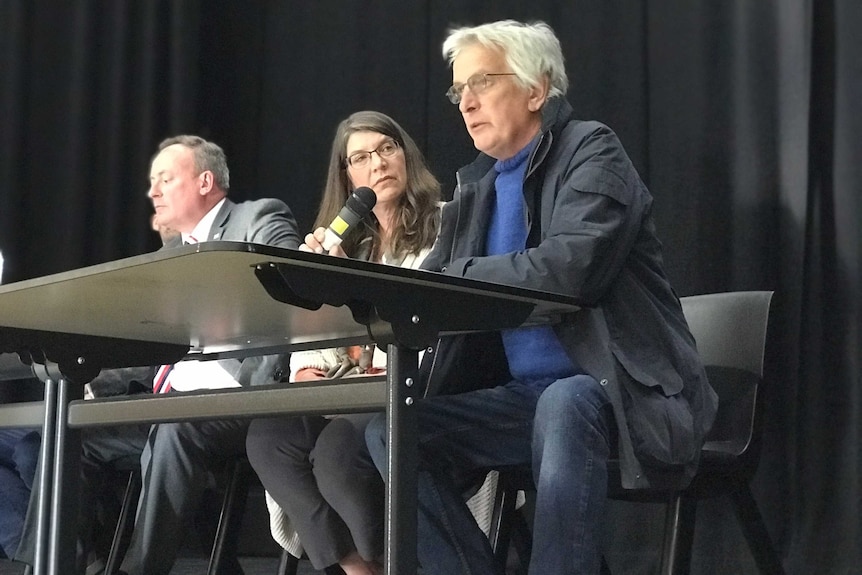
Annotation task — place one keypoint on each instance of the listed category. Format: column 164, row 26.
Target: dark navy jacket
column 591, row 237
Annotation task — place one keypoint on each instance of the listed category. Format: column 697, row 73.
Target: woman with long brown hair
column 318, row 468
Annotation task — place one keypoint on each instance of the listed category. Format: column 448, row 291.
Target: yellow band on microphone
column 338, row 225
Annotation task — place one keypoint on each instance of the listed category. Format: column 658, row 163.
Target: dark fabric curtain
column 87, row 90
column 742, row 117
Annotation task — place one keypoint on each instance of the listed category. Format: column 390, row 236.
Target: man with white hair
column 553, row 204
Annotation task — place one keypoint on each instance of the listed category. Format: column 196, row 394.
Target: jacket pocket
column 661, row 427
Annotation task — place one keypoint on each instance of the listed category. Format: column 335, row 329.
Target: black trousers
column 176, row 460
column 320, row 473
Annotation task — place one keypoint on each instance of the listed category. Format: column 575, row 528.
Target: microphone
column 357, row 208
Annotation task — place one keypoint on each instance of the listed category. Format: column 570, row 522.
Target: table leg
column 46, row 474
column 401, row 437
column 66, row 485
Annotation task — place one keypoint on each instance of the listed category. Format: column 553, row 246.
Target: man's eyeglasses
column 362, row 158
column 477, row 83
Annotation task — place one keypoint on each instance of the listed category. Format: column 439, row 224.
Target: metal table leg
column 401, row 466
column 66, row 486
column 46, row 474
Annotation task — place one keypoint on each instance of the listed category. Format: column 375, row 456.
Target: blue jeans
column 562, row 431
column 19, row 455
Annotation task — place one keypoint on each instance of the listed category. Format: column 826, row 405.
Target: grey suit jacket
column 270, row 222
column 267, row 221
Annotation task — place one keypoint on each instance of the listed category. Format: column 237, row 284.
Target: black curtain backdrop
column 742, row 117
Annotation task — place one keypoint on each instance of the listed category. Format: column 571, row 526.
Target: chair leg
column 502, row 517
column 125, row 522
column 509, row 526
column 224, row 549
column 755, row 532
column 288, row 564
column 678, row 535
column 522, row 537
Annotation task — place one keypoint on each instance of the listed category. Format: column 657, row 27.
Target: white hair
column 532, row 50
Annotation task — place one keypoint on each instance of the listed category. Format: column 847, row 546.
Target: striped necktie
column 162, row 381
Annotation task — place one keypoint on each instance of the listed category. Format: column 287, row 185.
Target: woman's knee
column 340, row 443
column 258, row 441
column 277, row 438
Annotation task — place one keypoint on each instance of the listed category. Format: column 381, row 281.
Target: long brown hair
column 417, row 215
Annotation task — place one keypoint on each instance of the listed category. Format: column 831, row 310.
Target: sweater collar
column 555, row 114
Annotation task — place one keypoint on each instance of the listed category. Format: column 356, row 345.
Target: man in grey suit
column 189, row 183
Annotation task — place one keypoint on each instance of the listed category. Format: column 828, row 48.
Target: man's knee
column 581, row 394
column 164, row 434
column 181, row 440
column 575, row 403
column 375, row 438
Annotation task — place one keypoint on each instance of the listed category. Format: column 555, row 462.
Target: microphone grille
column 362, row 200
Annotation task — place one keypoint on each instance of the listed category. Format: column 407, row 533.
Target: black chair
column 125, row 521
column 731, row 333
column 223, row 555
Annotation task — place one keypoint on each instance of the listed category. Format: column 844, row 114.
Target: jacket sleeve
column 274, row 225
column 323, row 359
column 438, row 258
column 592, row 208
column 122, row 381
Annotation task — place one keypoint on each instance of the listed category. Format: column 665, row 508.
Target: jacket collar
column 556, row 113
column 216, row 229
column 221, row 220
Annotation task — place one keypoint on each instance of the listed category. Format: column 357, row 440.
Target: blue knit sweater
column 535, row 354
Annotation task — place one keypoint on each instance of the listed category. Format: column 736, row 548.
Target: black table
column 230, row 299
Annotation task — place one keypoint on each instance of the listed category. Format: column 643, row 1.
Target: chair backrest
column 730, row 330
